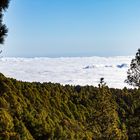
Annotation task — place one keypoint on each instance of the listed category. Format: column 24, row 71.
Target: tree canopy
column 133, row 73
column 47, row 111
column 3, row 29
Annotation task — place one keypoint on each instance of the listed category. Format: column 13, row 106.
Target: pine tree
column 102, row 83
column 133, row 73
column 3, row 29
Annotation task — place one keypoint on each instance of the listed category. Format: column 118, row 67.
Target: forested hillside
column 35, row 111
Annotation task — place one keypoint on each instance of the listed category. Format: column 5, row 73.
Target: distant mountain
column 122, row 66
column 107, row 66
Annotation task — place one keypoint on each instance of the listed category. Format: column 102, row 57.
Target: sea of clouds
column 69, row 70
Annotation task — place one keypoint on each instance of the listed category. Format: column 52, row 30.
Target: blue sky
column 54, row 28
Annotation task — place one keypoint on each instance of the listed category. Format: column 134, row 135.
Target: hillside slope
column 35, row 111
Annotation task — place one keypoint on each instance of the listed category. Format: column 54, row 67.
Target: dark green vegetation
column 51, row 111
column 3, row 29
column 133, row 73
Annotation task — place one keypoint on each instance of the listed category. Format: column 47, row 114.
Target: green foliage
column 133, row 73
column 3, row 29
column 35, row 111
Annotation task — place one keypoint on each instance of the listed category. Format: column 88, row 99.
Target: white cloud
column 69, row 70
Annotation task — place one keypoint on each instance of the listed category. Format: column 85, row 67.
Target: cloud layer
column 68, row 70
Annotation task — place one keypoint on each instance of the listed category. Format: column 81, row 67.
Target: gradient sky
column 54, row 28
